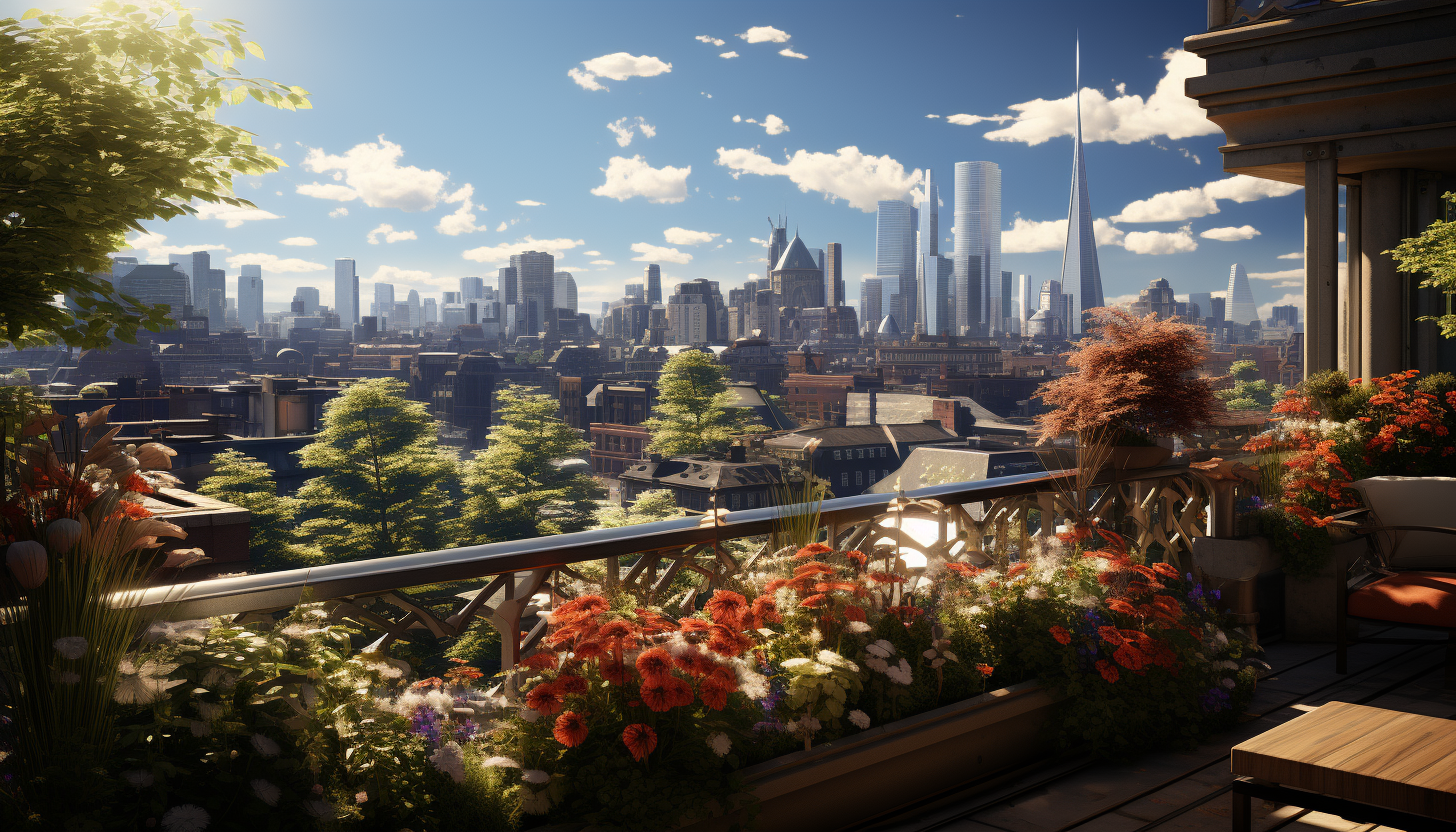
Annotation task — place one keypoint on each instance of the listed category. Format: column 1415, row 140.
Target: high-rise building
column 834, row 275
column 797, row 278
column 310, row 297
column 937, row 309
column 1059, row 303
column 536, row 271
column 871, row 302
column 195, row 267
column 694, row 313
column 928, row 234
column 508, row 284
column 1026, row 299
column 1285, row 315
column 346, row 292
column 978, row 234
column 652, row 278
column 1204, row 303
column 120, row 266
column 1079, row 257
column 151, row 285
column 1241, row 309
column 895, row 258
column 432, row 311
column 383, row 306
column 635, row 291
column 472, row 288
column 416, row 311
column 250, row 296
column 778, row 240
column 565, row 291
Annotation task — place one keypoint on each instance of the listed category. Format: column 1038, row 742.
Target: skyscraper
column 1026, row 299
column 508, row 284
column 536, row 271
column 346, row 292
column 635, row 290
column 188, row 265
column 929, row 230
column 250, row 297
column 871, row 302
column 652, row 276
column 937, row 311
column 471, row 288
column 432, row 311
column 978, row 234
column 1204, row 302
column 834, row 275
column 895, row 258
column 778, row 240
column 565, row 291
column 383, row 302
column 1241, row 309
column 310, row 297
column 216, row 299
column 416, row 312
column 1079, row 258
column 157, row 284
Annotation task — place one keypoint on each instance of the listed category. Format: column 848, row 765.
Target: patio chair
column 1408, row 574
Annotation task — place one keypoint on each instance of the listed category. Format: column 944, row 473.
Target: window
column 737, row 500
column 882, row 453
column 872, row 476
column 860, row 453
column 884, row 473
column 844, row 478
column 859, row 478
column 838, row 455
column 752, row 500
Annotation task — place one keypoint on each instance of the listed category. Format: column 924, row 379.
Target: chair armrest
column 1344, row 518
column 1370, row 529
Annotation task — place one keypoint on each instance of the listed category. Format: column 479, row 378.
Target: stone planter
column 1309, row 603
column 857, row 777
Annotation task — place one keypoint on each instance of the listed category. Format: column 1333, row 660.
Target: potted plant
column 1134, row 388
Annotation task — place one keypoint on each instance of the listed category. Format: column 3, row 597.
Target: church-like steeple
column 1079, row 258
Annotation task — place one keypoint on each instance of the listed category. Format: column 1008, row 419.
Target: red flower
column 135, row 483
column 1166, row 570
column 588, row 650
column 546, row 698
column 720, row 678
column 814, row 601
column 570, row 729
column 715, row 698
column 986, row 669
column 658, row 695
column 727, row 608
column 1108, row 670
column 615, row 673
column 811, row 550
column 1061, row 635
column 691, row 626
column 432, row 682
column 855, row 556
column 695, row 664
column 726, row 642
column 586, row 605
column 654, row 663
column 572, row 684
column 640, row 739
column 764, row 610
column 854, row 613
column 1110, row 635
column 540, row 661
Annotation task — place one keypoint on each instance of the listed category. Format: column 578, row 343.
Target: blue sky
column 413, row 102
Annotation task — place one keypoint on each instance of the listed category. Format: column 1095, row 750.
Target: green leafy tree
column 517, row 487
column 649, row 507
column 106, row 120
column 385, row 487
column 1250, row 392
column 694, row 412
column 1433, row 254
column 244, row 481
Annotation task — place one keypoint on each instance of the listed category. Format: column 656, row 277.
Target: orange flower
column 720, row 678
column 546, row 698
column 570, row 729
column 714, row 698
column 691, row 626
column 986, row 669
column 569, row 684
column 588, row 650
column 583, row 606
column 1108, row 670
column 654, row 663
column 640, row 739
column 854, row 613
column 695, row 663
column 615, row 673
column 856, row 556
column 1110, row 635
column 540, row 661
column 964, row 570
column 811, row 550
column 814, row 601
column 727, row 608
column 658, row 695
column 680, row 691
column 726, row 642
column 763, row 609
column 1061, row 635
column 1166, row 570
column 432, row 682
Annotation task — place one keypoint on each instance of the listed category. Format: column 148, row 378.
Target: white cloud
column 618, row 66
column 502, row 252
column 1287, row 274
column 232, row 215
column 1124, row 118
column 1160, row 242
column 847, row 174
column 1231, row 233
column 1028, row 236
column 1293, row 255
column 712, row 40
column 649, row 253
column 462, row 220
column 1169, row 206
column 627, row 178
column 774, row 125
column 394, row 274
column 757, row 241
column 728, row 54
column 390, row 235
column 592, row 253
column 1106, row 233
column 1240, row 188
column 603, row 262
column 340, row 211
column 683, row 237
column 967, row 120
column 155, row 245
column 373, row 173
column 789, row 53
column 765, row 34
column 1266, row 310
column 299, row 241
column 501, row 227
column 931, row 115
column 274, row 263
column 624, row 126
column 529, row 203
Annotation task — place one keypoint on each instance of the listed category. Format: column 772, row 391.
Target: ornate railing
column 981, row 522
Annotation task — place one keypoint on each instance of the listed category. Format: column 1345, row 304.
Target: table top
column 1355, row 752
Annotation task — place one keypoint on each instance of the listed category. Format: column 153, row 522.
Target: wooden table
column 1361, row 763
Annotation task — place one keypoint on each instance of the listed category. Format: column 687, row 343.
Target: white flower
column 145, row 684
column 319, row 808
column 200, row 728
column 856, row 627
column 441, row 701
column 1229, row 683
column 534, row 802
column 71, row 647
column 720, row 743
column 361, row 798
column 449, row 759
column 138, row 778
column 859, row 719
column 753, row 684
column 899, row 674
column 881, row 648
column 506, row 762
column 266, row 792
column 815, row 636
column 806, row 725
column 265, row 746
column 790, row 664
column 536, row 776
column 188, row 817
column 1035, row 593
column 877, row 665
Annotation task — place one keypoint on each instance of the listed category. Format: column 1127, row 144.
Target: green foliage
column 516, row 487
column 384, row 487
column 531, row 359
column 106, row 120
column 18, row 376
column 1433, row 254
column 1303, row 550
column 1250, row 392
column 693, row 413
column 1334, row 397
column 244, row 481
column 649, row 507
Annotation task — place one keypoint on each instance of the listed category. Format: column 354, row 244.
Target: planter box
column 870, row 773
column 1309, row 603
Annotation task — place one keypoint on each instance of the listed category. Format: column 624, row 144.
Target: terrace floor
column 1189, row 792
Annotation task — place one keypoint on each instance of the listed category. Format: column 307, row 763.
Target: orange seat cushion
column 1422, row 598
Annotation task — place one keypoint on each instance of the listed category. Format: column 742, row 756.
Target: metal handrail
column 278, row 590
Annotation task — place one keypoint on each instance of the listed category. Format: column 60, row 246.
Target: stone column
column 1354, row 291
column 1382, row 214
column 1321, row 259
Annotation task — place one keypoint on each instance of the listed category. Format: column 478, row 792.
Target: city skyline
column 717, row 174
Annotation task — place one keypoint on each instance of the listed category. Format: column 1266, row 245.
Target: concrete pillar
column 1382, row 216
column 1353, row 291
column 1321, row 259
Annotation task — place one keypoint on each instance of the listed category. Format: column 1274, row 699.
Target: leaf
column 255, row 49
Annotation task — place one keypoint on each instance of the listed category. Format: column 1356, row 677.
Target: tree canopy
column 1433, row 253
column 694, row 412
column 1249, row 392
column 384, row 486
column 108, row 119
column 244, row 481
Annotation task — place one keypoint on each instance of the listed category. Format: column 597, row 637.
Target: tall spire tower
column 1079, row 258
